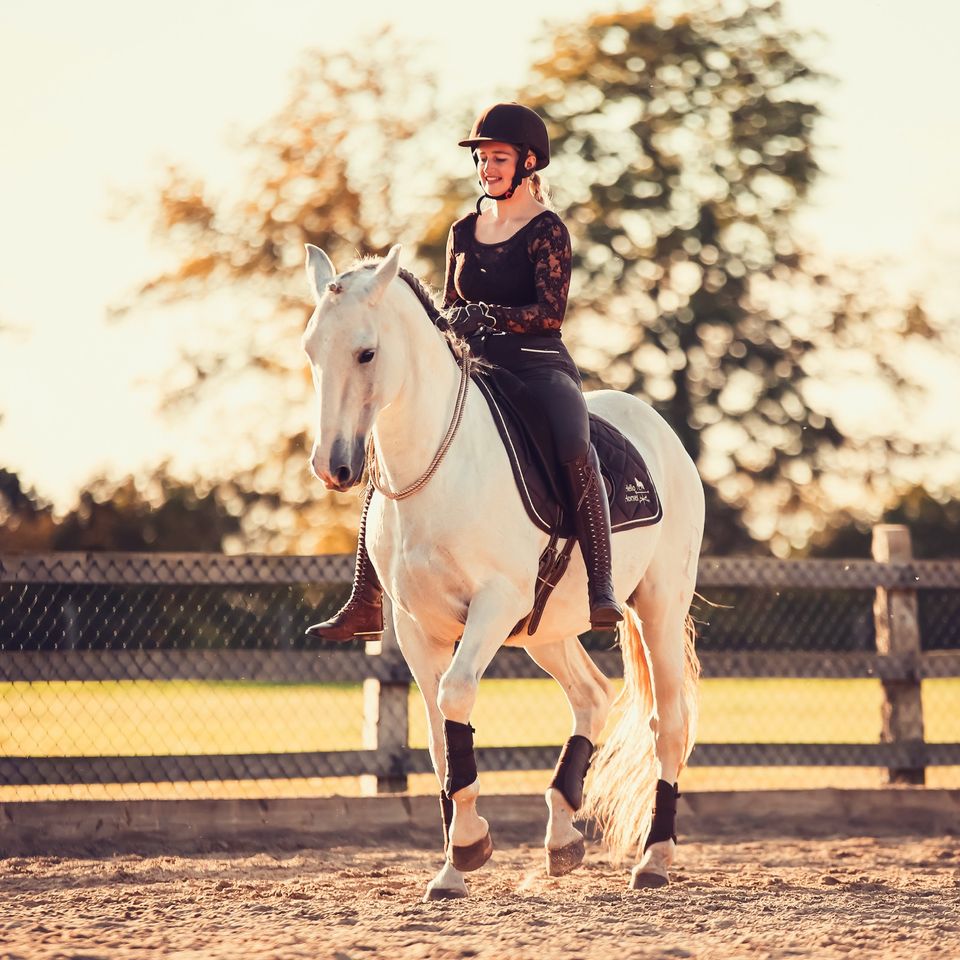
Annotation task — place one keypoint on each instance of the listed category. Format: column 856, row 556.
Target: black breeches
column 562, row 403
column 548, row 371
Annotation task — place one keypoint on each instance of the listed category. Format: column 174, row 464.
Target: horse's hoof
column 648, row 878
column 562, row 861
column 443, row 893
column 473, row 856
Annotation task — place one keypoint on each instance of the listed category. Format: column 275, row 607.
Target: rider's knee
column 571, row 447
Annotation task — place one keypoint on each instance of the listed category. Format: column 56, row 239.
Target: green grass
column 174, row 717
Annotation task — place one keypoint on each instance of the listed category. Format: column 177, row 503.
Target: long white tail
column 691, row 684
column 622, row 782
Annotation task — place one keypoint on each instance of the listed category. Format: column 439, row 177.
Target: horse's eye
column 365, row 356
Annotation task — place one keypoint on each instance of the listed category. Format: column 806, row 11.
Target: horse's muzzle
column 345, row 466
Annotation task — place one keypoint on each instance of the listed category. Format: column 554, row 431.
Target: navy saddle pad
column 630, row 490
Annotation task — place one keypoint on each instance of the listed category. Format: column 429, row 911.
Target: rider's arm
column 450, row 296
column 549, row 250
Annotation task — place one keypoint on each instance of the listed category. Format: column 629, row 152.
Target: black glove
column 470, row 319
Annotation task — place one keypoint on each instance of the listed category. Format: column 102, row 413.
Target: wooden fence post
column 385, row 713
column 898, row 634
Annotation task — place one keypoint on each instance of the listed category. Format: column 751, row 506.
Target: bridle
column 467, row 363
column 373, row 464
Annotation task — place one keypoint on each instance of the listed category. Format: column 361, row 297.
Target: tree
column 163, row 514
column 682, row 149
column 934, row 529
column 341, row 165
column 26, row 521
column 160, row 513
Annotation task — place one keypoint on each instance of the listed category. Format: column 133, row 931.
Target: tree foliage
column 683, row 148
column 26, row 520
column 343, row 164
column 934, row 529
column 163, row 513
column 336, row 166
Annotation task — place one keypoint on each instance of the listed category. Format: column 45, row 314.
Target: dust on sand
column 861, row 897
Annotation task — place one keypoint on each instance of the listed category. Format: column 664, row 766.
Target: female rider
column 507, row 278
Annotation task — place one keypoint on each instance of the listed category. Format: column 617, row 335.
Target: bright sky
column 98, row 95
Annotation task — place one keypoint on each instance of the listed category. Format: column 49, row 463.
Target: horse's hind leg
column 428, row 660
column 589, row 694
column 663, row 611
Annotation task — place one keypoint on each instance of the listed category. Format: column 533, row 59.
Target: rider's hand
column 470, row 319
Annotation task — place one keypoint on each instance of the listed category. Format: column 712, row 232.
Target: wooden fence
column 386, row 760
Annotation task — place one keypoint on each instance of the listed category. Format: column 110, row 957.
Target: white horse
column 458, row 560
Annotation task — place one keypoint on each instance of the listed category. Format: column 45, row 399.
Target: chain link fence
column 159, row 676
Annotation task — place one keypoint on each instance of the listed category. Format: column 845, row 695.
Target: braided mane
column 424, row 295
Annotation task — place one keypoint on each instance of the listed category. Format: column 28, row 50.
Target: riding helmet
column 512, row 123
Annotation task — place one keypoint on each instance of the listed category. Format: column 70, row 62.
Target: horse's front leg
column 428, row 659
column 492, row 614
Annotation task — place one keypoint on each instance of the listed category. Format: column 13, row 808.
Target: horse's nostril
column 343, row 474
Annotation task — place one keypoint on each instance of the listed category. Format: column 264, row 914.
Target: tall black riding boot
column 591, row 520
column 362, row 614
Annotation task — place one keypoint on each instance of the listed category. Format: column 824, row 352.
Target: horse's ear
column 320, row 270
column 385, row 272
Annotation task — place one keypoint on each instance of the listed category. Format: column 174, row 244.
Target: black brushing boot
column 664, row 824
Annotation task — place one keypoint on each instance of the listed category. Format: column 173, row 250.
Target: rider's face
column 496, row 164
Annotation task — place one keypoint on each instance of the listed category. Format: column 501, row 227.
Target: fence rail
column 338, row 666
column 194, row 569
column 36, row 771
column 899, row 661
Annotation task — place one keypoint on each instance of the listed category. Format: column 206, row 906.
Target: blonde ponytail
column 539, row 189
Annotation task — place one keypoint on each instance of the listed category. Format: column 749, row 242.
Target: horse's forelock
column 355, row 268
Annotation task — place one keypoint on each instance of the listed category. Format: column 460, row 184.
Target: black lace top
column 524, row 279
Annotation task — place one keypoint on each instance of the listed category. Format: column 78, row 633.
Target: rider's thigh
column 563, row 406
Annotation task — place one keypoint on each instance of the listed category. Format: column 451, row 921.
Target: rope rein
column 373, row 464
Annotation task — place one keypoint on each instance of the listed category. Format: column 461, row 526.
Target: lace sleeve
column 549, row 249
column 450, row 296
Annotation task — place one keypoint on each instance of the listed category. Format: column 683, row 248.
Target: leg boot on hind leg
column 564, row 842
column 658, row 851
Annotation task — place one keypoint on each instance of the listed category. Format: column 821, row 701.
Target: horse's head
column 353, row 325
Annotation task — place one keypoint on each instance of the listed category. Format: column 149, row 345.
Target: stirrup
column 605, row 614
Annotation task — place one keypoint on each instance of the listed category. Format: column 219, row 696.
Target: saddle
column 529, row 444
column 631, row 494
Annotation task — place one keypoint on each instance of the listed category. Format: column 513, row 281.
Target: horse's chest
column 422, row 575
column 432, row 573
